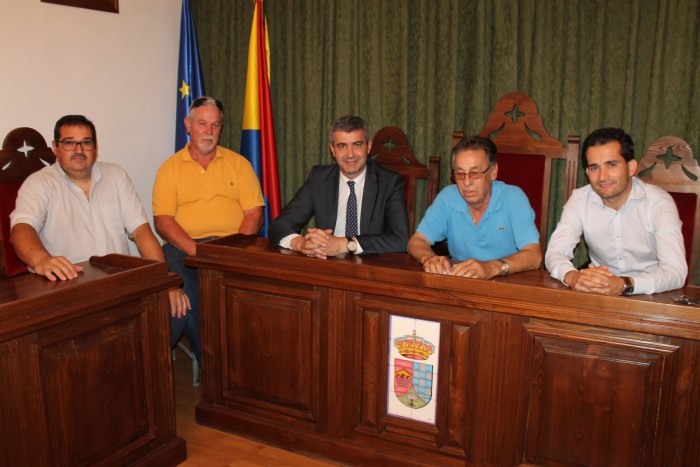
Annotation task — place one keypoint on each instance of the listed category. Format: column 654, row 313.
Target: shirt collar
column 95, row 173
column 359, row 180
column 637, row 192
column 187, row 157
column 494, row 201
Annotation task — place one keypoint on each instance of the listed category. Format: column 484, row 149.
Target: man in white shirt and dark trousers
column 632, row 229
column 78, row 208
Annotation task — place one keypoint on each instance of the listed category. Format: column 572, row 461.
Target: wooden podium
column 311, row 355
column 86, row 367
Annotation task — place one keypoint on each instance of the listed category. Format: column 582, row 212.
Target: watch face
column 352, row 246
column 627, row 288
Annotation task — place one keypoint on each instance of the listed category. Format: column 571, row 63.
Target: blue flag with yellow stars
column 189, row 75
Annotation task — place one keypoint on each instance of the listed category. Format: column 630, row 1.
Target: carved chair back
column 526, row 152
column 669, row 163
column 23, row 152
column 391, row 150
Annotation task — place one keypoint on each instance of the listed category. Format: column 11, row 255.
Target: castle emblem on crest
column 413, row 379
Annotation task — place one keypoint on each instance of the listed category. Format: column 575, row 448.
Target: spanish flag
column 190, row 84
column 258, row 138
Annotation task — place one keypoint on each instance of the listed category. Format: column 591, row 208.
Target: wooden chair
column 390, row 149
column 23, row 152
column 669, row 163
column 526, row 151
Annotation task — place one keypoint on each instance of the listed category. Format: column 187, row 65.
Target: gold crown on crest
column 414, row 347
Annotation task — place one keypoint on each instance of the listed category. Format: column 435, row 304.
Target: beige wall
column 120, row 70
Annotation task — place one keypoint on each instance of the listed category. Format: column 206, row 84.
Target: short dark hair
column 475, row 143
column 206, row 100
column 603, row 136
column 73, row 120
column 347, row 124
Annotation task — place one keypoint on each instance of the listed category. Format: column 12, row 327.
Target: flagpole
column 190, row 84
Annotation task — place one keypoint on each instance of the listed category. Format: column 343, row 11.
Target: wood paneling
column 207, row 447
column 530, row 373
column 86, row 368
column 612, row 386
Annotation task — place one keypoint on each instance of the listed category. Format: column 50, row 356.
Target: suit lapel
column 331, row 205
column 369, row 197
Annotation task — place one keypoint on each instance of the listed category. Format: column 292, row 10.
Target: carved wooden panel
column 94, row 372
column 529, row 373
column 85, row 365
column 270, row 346
column 496, row 393
column 458, row 360
column 84, row 391
column 595, row 399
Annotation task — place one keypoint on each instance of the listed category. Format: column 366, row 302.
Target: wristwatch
column 627, row 287
column 352, row 245
column 505, row 267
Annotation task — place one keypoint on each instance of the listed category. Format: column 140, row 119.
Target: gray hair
column 475, row 143
column 347, row 124
column 206, row 100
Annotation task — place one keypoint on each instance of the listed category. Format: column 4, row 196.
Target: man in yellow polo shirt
column 202, row 192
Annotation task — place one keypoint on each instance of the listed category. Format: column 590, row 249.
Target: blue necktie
column 351, row 212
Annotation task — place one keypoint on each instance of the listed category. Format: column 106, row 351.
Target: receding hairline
column 190, row 115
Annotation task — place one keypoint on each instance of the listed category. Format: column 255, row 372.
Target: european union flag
column 189, row 75
column 258, row 136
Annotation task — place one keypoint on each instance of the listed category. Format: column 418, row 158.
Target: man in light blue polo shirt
column 489, row 226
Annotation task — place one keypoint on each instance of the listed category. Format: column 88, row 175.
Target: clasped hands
column 595, row 279
column 469, row 268
column 59, row 268
column 320, row 243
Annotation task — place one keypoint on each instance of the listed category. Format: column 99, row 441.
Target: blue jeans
column 189, row 324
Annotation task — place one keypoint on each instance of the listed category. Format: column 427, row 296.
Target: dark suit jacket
column 383, row 221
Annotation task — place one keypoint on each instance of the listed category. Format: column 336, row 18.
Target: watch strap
column 505, row 267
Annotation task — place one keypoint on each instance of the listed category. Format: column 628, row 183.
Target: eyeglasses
column 476, row 175
column 87, row 145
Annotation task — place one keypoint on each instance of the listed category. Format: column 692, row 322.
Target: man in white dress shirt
column 631, row 228
column 77, row 208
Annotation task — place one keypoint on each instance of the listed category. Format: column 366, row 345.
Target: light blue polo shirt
column 505, row 228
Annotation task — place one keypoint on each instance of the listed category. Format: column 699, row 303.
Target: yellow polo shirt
column 206, row 202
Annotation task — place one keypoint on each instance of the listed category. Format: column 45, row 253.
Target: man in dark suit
column 359, row 206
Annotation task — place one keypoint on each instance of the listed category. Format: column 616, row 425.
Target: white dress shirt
column 642, row 240
column 71, row 225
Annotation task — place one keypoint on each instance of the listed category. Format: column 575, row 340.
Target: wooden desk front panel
column 95, row 385
column 560, row 394
column 303, row 361
column 595, row 398
column 270, row 345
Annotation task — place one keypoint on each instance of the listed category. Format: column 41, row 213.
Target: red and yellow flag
column 258, row 137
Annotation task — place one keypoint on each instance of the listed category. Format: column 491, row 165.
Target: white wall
column 119, row 70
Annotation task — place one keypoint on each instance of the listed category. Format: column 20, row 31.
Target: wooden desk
column 86, row 367
column 300, row 352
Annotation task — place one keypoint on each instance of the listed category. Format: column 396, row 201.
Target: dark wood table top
column 533, row 291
